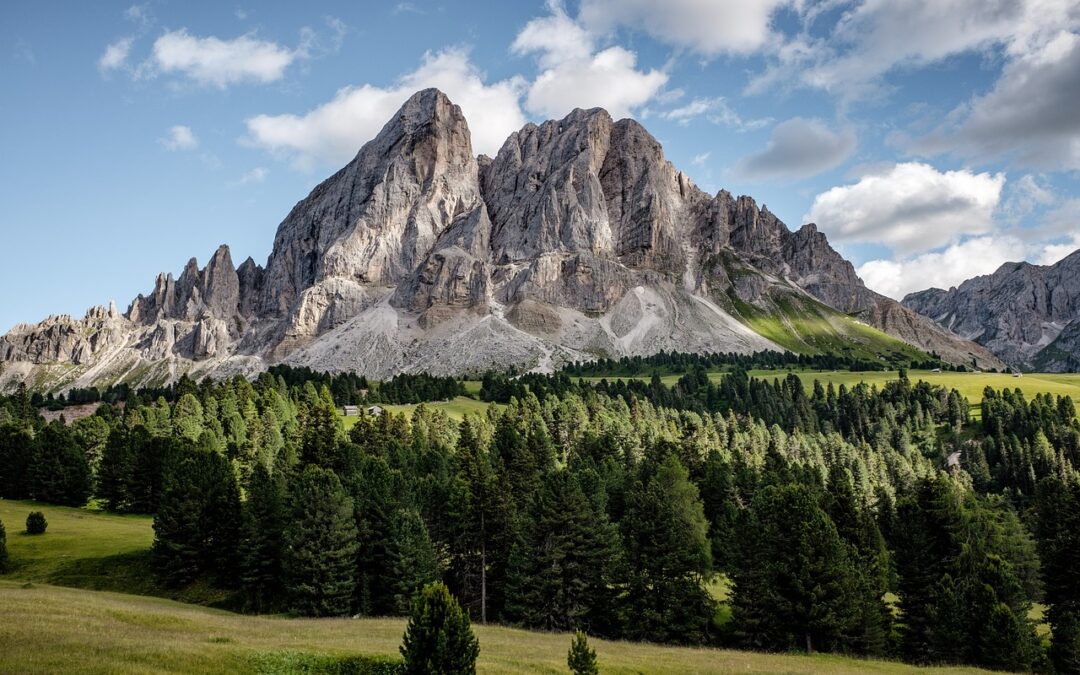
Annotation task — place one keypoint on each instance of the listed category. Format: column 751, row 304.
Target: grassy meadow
column 78, row 631
column 78, row 599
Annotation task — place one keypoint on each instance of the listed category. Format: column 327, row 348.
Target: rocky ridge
column 577, row 239
column 1028, row 315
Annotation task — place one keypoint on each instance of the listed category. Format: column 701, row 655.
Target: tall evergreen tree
column 1058, row 527
column 319, row 558
column 61, row 474
column 261, row 539
column 16, row 462
column 668, row 554
column 414, row 559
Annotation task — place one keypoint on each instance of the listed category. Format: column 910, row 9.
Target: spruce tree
column 61, row 474
column 1058, row 528
column 795, row 586
column 582, row 658
column 570, row 557
column 668, row 554
column 115, row 471
column 197, row 525
column 320, row 539
column 414, row 559
column 16, row 462
column 261, row 540
column 438, row 637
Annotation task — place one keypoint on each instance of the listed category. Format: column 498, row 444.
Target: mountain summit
column 579, row 239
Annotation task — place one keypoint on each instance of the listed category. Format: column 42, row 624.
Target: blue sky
column 930, row 140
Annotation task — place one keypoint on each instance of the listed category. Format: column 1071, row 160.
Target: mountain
column 1028, row 315
column 578, row 239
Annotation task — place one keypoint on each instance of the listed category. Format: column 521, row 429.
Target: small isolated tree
column 582, row 658
column 3, row 548
column 36, row 523
column 439, row 638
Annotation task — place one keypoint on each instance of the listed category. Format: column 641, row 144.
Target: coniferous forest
column 866, row 521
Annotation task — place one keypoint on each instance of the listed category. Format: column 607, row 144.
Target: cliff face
column 578, row 239
column 1028, row 315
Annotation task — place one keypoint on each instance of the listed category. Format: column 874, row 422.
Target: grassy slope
column 455, row 408
column 95, row 632
column 98, row 632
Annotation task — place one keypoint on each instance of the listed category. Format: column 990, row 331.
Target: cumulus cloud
column 943, row 269
column 910, row 207
column 115, row 55
column 332, row 132
column 876, row 37
column 1030, row 116
column 179, row 137
column 1052, row 253
column 256, row 175
column 216, row 62
column 799, row 148
column 573, row 75
column 708, row 27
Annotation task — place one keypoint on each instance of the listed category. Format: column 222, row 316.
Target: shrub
column 582, row 659
column 36, row 523
column 439, row 638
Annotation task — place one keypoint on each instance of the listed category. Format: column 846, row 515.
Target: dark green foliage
column 1058, row 528
column 321, row 433
column 319, row 556
column 261, row 540
column 582, row 658
column 668, row 555
column 61, row 474
column 438, row 637
column 3, row 548
column 16, row 461
column 197, row 527
column 571, row 555
column 36, row 523
column 303, row 663
column 796, row 586
column 414, row 560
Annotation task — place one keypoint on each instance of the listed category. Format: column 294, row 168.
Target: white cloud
column 180, row 137
column 876, row 37
column 716, row 110
column 708, row 27
column 944, row 269
column 799, row 148
column 911, row 207
column 220, row 63
column 699, row 160
column 572, row 76
column 333, row 132
column 1052, row 253
column 256, row 175
column 1030, row 116
column 115, row 55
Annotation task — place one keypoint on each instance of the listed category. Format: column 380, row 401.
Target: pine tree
column 582, row 658
column 116, row 470
column 61, row 474
column 668, row 553
column 36, row 523
column 795, row 586
column 570, row 555
column 16, row 462
column 319, row 558
column 1058, row 528
column 414, row 560
column 197, row 525
column 261, row 540
column 438, row 637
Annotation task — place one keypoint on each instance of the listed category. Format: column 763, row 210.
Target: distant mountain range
column 577, row 240
column 1028, row 315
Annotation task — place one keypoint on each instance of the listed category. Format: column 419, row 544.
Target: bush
column 439, row 638
column 36, row 523
column 3, row 548
column 582, row 659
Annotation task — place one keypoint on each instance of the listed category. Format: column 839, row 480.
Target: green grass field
column 52, row 629
column 54, row 623
column 455, row 408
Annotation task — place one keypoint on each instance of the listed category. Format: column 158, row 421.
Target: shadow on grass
column 134, row 573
